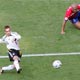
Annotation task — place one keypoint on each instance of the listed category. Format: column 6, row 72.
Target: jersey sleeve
column 68, row 13
column 79, row 6
column 2, row 40
column 16, row 35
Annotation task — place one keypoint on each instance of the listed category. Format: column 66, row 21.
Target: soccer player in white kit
column 11, row 40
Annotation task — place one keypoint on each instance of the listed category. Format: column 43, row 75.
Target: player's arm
column 63, row 27
column 66, row 17
column 2, row 40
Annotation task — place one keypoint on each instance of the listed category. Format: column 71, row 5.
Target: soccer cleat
column 19, row 70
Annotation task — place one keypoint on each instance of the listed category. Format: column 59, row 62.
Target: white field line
column 51, row 54
column 46, row 54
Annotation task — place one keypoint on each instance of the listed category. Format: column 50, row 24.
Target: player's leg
column 77, row 25
column 16, row 64
column 7, row 68
column 13, row 56
column 76, row 20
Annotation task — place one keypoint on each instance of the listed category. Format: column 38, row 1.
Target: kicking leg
column 10, row 67
column 7, row 68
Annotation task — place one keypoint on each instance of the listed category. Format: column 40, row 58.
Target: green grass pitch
column 39, row 23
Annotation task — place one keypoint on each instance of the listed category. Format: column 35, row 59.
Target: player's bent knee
column 15, row 58
column 77, row 25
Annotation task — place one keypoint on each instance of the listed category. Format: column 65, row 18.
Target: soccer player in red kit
column 73, row 15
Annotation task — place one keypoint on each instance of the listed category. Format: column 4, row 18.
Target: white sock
column 10, row 67
column 16, row 64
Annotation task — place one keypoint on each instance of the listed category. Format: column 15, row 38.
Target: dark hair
column 6, row 27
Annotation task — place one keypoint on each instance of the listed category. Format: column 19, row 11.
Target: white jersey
column 11, row 41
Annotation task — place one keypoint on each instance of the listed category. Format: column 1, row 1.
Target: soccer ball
column 57, row 64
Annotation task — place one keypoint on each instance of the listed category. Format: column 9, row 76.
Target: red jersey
column 69, row 13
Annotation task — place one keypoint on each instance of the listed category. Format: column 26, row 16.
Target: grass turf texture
column 39, row 23
column 40, row 68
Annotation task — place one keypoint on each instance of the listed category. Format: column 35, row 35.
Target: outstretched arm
column 1, row 41
column 63, row 27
